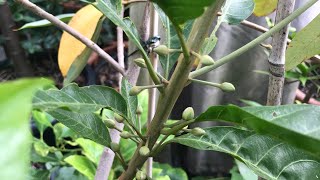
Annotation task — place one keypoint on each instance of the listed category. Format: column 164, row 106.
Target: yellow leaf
column 264, row 7
column 84, row 21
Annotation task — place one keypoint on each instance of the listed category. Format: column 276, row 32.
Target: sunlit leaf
column 264, row 7
column 44, row 22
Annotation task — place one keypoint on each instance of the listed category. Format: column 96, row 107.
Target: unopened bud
column 206, row 60
column 198, row 131
column 227, row 87
column 188, row 114
column 114, row 147
column 162, row 50
column 140, row 175
column 139, row 110
column 118, row 118
column 125, row 135
column 109, row 123
column 135, row 90
column 144, row 151
column 140, row 62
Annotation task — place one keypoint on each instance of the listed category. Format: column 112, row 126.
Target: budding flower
column 114, row 147
column 140, row 175
column 206, row 60
column 118, row 118
column 161, row 50
column 227, row 87
column 109, row 123
column 188, row 114
column 198, row 131
column 144, row 151
column 139, row 110
column 135, row 90
column 125, row 135
column 140, row 62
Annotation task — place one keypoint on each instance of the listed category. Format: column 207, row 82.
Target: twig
column 277, row 56
column 37, row 10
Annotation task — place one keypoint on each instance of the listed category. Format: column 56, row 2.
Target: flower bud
column 109, row 123
column 118, row 118
column 140, row 175
column 135, row 90
column 144, row 151
column 198, row 131
column 227, row 87
column 125, row 135
column 139, row 110
column 140, row 62
column 206, row 60
column 161, row 50
column 114, row 147
column 188, row 114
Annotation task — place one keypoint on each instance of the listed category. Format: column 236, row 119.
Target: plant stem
column 255, row 42
column 184, row 47
column 205, row 82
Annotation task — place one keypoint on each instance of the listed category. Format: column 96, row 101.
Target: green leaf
column 235, row 11
column 88, row 125
column 181, row 11
column 82, row 164
column 15, row 109
column 167, row 170
column 41, row 147
column 267, row 157
column 264, row 7
column 304, row 45
column 107, row 7
column 91, row 149
column 69, row 173
column 37, row 174
column 245, row 172
column 80, row 99
column 44, row 22
column 132, row 101
column 42, row 120
column 61, row 131
column 295, row 124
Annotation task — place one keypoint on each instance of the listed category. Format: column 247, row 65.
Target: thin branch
column 277, row 56
column 37, row 10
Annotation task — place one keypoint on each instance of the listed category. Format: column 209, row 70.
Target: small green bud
column 188, row 114
column 198, row 131
column 109, row 123
column 227, row 87
column 135, row 90
column 114, row 147
column 118, row 118
column 140, row 62
column 165, row 131
column 144, row 151
column 161, row 50
column 125, row 135
column 140, row 175
column 206, row 60
column 139, row 110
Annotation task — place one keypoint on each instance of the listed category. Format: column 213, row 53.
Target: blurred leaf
column 235, row 11
column 267, row 157
column 181, row 11
column 132, row 102
column 91, row 149
column 127, row 148
column 37, row 174
column 36, row 158
column 305, row 44
column 167, row 170
column 41, row 147
column 82, row 164
column 61, row 131
column 15, row 108
column 235, row 174
column 42, row 120
column 86, row 22
column 250, row 103
column 44, row 23
column 264, row 7
column 294, row 124
column 245, row 172
column 143, row 102
column 69, row 173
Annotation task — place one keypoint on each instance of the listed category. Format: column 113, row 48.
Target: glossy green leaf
column 61, row 131
column 245, row 172
column 90, row 149
column 107, row 7
column 42, row 120
column 295, row 124
column 41, row 147
column 88, row 125
column 267, row 157
column 181, row 11
column 132, row 101
column 15, row 109
column 80, row 99
column 235, row 11
column 82, row 164
column 44, row 22
column 304, row 45
column 264, row 7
